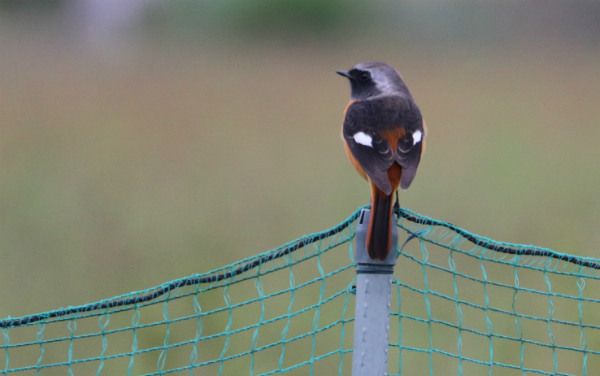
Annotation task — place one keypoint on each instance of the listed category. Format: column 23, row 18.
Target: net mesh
column 461, row 304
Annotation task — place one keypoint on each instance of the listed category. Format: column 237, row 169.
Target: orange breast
column 394, row 174
column 392, row 136
column 353, row 160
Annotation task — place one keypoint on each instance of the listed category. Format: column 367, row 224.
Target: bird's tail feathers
column 379, row 234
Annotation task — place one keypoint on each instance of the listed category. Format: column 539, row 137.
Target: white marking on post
column 363, row 139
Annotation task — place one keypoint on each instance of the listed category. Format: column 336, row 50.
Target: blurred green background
column 142, row 141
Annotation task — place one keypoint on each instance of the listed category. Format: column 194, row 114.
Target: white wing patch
column 417, row 137
column 363, row 139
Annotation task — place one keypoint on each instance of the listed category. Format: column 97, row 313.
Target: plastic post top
column 366, row 264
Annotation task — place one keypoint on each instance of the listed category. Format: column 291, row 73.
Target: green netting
column 461, row 304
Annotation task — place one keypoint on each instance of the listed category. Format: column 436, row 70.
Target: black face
column 361, row 76
column 361, row 82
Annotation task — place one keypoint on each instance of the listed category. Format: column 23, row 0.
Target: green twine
column 483, row 306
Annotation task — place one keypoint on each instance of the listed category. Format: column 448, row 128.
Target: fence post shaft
column 373, row 299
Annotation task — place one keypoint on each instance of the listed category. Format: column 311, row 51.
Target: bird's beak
column 344, row 74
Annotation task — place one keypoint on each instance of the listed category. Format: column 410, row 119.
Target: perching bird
column 383, row 137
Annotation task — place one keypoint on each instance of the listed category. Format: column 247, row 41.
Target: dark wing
column 373, row 117
column 410, row 148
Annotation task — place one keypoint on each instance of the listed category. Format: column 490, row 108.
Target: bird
column 383, row 133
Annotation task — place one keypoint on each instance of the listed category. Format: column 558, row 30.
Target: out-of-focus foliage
column 295, row 19
column 312, row 17
column 31, row 5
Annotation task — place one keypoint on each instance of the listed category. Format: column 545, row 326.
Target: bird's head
column 373, row 78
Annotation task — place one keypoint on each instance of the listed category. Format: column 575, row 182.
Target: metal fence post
column 373, row 295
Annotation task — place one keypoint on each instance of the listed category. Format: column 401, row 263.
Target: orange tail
column 379, row 235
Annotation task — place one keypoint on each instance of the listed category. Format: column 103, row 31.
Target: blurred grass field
column 180, row 155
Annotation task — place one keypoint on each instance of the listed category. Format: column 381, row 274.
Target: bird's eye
column 364, row 76
column 360, row 75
